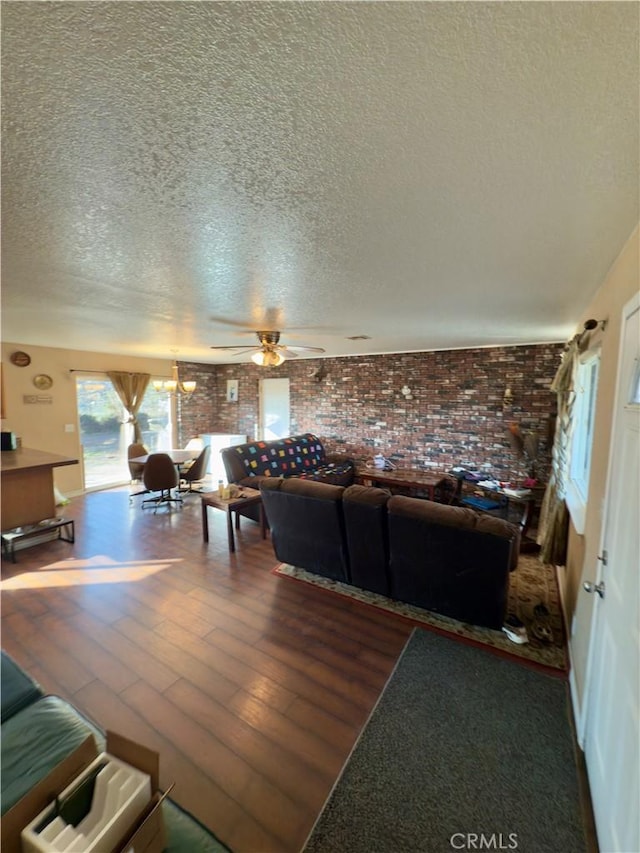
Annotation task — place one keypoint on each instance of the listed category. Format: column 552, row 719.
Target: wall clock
column 20, row 359
column 42, row 382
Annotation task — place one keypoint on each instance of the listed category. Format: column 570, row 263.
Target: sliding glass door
column 105, row 433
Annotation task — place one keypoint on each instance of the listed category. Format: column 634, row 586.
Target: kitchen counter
column 27, row 485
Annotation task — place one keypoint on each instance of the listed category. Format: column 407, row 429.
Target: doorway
column 274, row 413
column 105, row 433
column 612, row 733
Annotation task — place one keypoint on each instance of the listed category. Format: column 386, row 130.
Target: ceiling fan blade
column 237, row 348
column 301, row 349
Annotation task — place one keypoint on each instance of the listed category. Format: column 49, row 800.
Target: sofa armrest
column 339, row 459
column 336, row 469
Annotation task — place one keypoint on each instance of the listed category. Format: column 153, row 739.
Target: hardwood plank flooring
column 253, row 688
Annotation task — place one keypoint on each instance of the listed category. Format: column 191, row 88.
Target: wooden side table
column 405, row 478
column 230, row 505
column 529, row 505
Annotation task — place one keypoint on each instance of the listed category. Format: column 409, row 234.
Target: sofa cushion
column 307, row 525
column 365, row 517
column 18, row 688
column 36, row 740
column 460, row 517
column 501, row 527
column 450, row 560
column 435, row 513
column 186, row 833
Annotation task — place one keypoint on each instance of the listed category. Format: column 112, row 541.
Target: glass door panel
column 102, row 432
column 105, row 433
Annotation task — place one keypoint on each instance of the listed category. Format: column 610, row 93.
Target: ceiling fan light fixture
column 267, row 358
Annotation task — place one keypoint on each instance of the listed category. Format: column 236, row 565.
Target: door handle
column 590, row 586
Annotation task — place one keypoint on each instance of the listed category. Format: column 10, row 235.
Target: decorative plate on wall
column 42, row 382
column 20, row 359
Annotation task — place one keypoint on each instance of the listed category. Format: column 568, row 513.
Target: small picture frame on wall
column 232, row 390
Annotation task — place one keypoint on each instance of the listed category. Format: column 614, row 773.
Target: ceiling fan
column 270, row 353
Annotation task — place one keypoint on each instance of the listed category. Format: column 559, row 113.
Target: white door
column 612, row 747
column 274, row 409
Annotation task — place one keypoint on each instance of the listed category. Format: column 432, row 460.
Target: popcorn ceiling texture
column 374, row 168
column 456, row 415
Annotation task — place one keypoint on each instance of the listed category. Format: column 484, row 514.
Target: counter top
column 24, row 459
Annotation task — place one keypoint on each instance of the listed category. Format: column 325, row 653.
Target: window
column 583, row 414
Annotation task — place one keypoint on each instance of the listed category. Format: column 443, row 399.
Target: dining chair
column 136, row 468
column 196, row 444
column 160, row 475
column 196, row 472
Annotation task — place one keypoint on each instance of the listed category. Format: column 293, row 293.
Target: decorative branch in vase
column 527, row 446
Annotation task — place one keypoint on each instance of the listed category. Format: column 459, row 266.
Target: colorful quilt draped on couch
column 294, row 456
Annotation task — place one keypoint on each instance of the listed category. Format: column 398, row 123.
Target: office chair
column 195, row 472
column 160, row 475
column 136, row 468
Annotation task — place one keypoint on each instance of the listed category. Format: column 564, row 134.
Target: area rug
column 530, row 584
column 464, row 751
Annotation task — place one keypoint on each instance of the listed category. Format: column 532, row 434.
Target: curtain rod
column 589, row 326
column 96, row 370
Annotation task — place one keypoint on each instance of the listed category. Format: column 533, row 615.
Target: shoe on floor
column 515, row 630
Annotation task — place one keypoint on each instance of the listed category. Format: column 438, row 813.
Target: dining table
column 178, row 456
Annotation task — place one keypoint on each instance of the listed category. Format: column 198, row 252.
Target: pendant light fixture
column 174, row 385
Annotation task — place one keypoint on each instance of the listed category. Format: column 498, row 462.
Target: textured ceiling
column 432, row 175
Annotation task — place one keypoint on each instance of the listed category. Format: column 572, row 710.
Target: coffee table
column 407, row 478
column 246, row 497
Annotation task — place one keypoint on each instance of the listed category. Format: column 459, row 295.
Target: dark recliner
column 365, row 517
column 307, row 525
column 451, row 560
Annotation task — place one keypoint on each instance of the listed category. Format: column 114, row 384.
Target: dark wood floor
column 253, row 688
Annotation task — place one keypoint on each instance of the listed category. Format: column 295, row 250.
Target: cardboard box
column 145, row 835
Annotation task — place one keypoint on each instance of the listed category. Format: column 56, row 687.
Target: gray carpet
column 460, row 742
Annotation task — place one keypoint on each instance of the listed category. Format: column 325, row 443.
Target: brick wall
column 456, row 414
